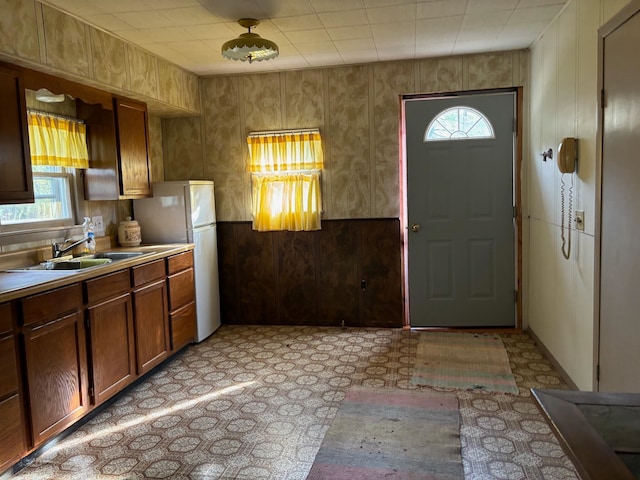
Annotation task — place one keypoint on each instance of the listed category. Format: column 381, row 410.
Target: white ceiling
column 314, row 33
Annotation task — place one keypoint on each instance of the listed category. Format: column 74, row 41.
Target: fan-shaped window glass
column 459, row 123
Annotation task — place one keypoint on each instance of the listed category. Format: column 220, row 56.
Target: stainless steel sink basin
column 119, row 255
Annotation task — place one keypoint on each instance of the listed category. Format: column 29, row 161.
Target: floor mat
column 463, row 360
column 386, row 434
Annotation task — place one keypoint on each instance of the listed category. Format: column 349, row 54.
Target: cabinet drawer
column 107, row 286
column 8, row 367
column 183, row 326
column 12, row 442
column 179, row 262
column 50, row 305
column 181, row 289
column 6, row 319
column 148, row 272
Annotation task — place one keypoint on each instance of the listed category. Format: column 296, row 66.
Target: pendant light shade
column 249, row 46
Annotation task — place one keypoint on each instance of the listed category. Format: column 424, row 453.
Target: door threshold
column 512, row 330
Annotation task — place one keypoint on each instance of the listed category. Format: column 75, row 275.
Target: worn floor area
column 254, row 403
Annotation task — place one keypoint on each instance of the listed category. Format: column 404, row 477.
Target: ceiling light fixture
column 249, row 46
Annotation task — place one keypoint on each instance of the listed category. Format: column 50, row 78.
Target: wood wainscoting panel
column 255, row 280
column 380, row 269
column 338, row 286
column 347, row 273
column 227, row 273
column 296, row 278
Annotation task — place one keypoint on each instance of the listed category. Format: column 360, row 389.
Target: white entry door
column 460, row 204
column 620, row 213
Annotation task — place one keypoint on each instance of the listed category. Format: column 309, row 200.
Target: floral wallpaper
column 357, row 109
column 42, row 37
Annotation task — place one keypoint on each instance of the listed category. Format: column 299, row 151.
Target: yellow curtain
column 289, row 201
column 285, row 152
column 57, row 141
column 285, row 177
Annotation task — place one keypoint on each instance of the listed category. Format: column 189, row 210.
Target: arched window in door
column 459, row 123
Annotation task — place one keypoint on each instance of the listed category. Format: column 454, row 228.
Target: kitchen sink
column 74, row 264
column 70, row 264
column 119, row 255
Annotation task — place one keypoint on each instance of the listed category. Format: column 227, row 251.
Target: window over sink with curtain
column 285, row 169
column 58, row 146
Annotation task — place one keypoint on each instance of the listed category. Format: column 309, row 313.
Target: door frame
column 609, row 27
column 517, row 193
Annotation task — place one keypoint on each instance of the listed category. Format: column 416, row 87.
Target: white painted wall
column 563, row 103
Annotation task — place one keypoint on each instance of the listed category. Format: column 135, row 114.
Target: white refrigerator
column 185, row 212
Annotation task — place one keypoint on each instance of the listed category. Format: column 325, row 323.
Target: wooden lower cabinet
column 110, row 338
column 182, row 296
column 71, row 348
column 12, row 441
column 183, row 326
column 151, row 325
column 56, row 366
column 12, row 431
column 111, row 347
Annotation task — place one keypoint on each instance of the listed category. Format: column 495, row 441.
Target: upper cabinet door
column 133, row 142
column 16, row 184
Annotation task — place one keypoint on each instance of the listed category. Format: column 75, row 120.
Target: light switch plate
column 98, row 226
column 579, row 219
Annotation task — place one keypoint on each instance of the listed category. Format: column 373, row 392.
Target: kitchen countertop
column 20, row 284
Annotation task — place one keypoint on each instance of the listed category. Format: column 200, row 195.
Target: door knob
column 415, row 227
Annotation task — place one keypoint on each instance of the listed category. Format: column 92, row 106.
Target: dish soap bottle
column 87, row 230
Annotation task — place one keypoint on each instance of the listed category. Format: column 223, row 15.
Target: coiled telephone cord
column 566, row 243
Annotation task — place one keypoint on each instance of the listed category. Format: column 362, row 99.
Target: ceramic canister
column 129, row 233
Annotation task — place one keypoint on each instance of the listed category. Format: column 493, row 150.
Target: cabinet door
column 111, row 347
column 151, row 325
column 16, row 184
column 132, row 135
column 12, row 433
column 56, row 368
column 12, row 442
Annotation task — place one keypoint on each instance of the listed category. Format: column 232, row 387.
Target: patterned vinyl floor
column 254, row 403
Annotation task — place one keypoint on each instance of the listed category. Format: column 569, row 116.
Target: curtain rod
column 282, row 132
column 54, row 115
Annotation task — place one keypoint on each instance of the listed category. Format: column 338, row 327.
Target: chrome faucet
column 59, row 249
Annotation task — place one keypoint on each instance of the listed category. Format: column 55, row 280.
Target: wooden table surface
column 593, row 429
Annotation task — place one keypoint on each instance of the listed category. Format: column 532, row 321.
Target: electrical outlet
column 579, row 219
column 98, row 225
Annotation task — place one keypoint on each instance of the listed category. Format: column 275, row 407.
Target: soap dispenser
column 87, row 231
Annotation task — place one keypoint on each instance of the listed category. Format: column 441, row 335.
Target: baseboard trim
column 565, row 376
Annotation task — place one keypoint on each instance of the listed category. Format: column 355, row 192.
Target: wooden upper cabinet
column 16, row 184
column 118, row 150
column 133, row 148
